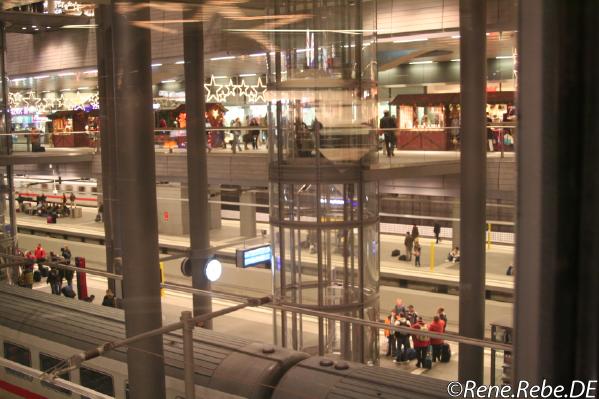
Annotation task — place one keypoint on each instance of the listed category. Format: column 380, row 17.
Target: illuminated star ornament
column 220, row 93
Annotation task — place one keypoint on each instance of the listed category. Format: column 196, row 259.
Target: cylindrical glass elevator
column 324, row 215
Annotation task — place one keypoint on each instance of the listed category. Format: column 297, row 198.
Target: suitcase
column 427, row 363
column 445, row 353
column 411, row 354
column 403, row 257
column 43, row 271
column 37, row 277
column 395, row 252
column 50, row 219
column 403, row 356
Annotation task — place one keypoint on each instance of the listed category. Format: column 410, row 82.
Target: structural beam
column 473, row 185
column 136, row 185
column 197, row 170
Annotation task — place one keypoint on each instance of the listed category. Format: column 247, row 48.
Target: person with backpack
column 437, row 325
column 421, row 343
column 53, row 280
column 402, row 339
column 409, row 244
column 390, row 320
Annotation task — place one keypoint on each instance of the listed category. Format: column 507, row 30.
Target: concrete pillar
column 214, row 212
column 173, row 208
column 455, row 225
column 136, row 190
column 247, row 214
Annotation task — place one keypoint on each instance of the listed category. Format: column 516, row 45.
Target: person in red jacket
column 421, row 342
column 40, row 254
column 437, row 325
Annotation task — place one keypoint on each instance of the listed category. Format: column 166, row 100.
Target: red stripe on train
column 17, row 390
column 33, row 195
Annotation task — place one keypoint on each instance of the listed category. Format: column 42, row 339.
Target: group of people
column 412, row 245
column 44, row 208
column 55, row 276
column 399, row 346
column 251, row 136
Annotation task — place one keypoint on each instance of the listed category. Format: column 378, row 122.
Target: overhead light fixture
column 83, row 88
column 221, row 77
column 34, row 26
column 421, row 62
column 504, row 57
column 180, row 62
column 246, row 75
column 83, row 26
column 24, row 28
column 156, row 65
column 90, row 72
column 258, row 55
column 41, row 77
column 229, row 57
column 168, row 81
column 66, row 90
column 17, row 79
column 48, row 27
column 488, row 34
column 302, row 50
column 455, row 60
column 411, row 40
column 46, row 91
column 455, row 36
column 213, row 269
column 66, row 74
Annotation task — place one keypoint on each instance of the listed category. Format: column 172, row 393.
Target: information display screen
column 254, row 256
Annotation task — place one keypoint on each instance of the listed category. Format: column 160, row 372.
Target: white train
column 39, row 330
column 86, row 191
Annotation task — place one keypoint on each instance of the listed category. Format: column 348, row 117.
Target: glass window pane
column 97, row 381
column 17, row 354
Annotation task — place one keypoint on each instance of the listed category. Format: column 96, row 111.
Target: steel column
column 108, row 145
column 188, row 368
column 473, row 184
column 136, row 185
column 197, row 175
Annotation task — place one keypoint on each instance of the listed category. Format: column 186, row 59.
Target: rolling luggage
column 411, row 354
column 445, row 353
column 37, row 277
column 395, row 253
column 427, row 363
column 403, row 257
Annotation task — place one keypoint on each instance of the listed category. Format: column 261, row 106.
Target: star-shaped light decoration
column 242, row 89
column 212, row 90
column 260, row 89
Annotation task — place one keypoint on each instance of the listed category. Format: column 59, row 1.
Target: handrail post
column 188, row 325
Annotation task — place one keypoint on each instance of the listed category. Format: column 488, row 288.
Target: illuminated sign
column 255, row 256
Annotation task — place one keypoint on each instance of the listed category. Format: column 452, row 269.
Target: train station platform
column 440, row 277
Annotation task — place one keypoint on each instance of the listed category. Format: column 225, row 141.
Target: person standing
column 387, row 122
column 443, row 317
column 53, row 280
column 415, row 232
column 437, row 231
column 409, row 244
column 390, row 320
column 399, row 307
column 40, row 255
column 402, row 339
column 421, row 342
column 417, row 252
column 255, row 133
column 437, row 326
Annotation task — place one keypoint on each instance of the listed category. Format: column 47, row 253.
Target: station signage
column 254, row 256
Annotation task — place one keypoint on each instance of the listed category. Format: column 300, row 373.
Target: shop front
column 431, row 122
